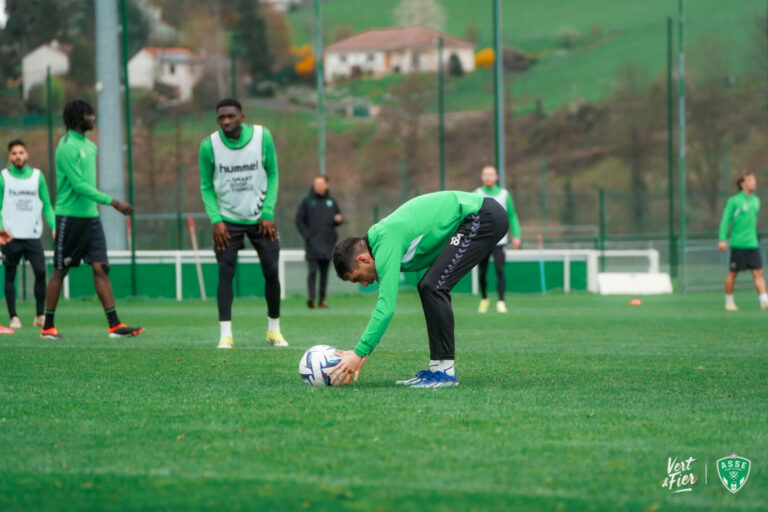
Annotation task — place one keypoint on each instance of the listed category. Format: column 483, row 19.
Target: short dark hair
column 75, row 112
column 16, row 142
column 344, row 253
column 229, row 102
column 742, row 177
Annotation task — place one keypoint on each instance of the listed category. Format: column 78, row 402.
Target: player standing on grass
column 79, row 233
column 238, row 182
column 446, row 234
column 24, row 202
column 490, row 178
column 317, row 217
column 740, row 213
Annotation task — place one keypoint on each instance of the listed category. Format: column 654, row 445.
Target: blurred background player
column 317, row 216
column 79, row 232
column 444, row 233
column 238, row 182
column 741, row 211
column 24, row 202
column 490, row 188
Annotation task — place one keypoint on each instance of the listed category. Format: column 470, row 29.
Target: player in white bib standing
column 24, row 202
column 490, row 179
column 238, row 182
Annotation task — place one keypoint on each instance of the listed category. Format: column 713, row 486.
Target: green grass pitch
column 566, row 403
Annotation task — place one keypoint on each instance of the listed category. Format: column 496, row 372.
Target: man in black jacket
column 316, row 218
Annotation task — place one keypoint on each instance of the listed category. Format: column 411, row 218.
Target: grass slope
column 567, row 403
column 633, row 33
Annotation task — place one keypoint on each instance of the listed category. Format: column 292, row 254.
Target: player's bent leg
column 474, row 239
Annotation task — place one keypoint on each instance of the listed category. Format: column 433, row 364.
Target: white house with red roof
column 175, row 67
column 379, row 52
column 35, row 64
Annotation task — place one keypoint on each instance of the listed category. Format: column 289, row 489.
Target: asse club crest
column 733, row 471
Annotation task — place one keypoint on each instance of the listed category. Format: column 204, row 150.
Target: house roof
column 55, row 45
column 171, row 53
column 396, row 38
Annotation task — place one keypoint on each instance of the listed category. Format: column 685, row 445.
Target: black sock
column 48, row 319
column 112, row 319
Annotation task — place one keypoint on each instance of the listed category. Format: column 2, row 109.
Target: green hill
column 612, row 34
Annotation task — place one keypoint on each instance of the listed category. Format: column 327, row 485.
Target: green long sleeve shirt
column 514, row 222
column 76, row 192
column 409, row 240
column 740, row 213
column 45, row 197
column 208, row 168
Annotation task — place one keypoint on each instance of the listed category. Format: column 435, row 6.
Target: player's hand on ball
column 268, row 229
column 348, row 368
column 5, row 237
column 722, row 246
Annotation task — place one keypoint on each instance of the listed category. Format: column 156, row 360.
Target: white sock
column 433, row 364
column 273, row 324
column 729, row 300
column 226, row 328
column 447, row 366
column 763, row 298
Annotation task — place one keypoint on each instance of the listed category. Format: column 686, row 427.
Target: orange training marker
column 636, row 302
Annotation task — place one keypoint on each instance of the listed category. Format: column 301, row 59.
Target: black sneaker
column 123, row 331
column 51, row 333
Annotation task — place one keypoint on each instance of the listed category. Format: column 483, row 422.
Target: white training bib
column 239, row 179
column 22, row 207
column 500, row 198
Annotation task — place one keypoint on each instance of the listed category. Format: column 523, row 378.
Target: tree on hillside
column 31, row 24
column 278, row 38
column 411, row 97
column 633, row 122
column 250, row 38
column 427, row 13
column 340, row 32
column 713, row 114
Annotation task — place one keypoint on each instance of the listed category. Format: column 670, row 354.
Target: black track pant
column 474, row 239
column 32, row 251
column 269, row 255
column 498, row 262
column 314, row 266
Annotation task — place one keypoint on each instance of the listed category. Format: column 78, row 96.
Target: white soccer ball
column 317, row 363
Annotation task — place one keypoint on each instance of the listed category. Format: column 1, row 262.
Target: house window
column 371, row 57
column 343, row 57
column 172, row 69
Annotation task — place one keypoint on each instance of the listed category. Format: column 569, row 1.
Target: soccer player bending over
column 740, row 213
column 79, row 233
column 238, row 182
column 446, row 234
